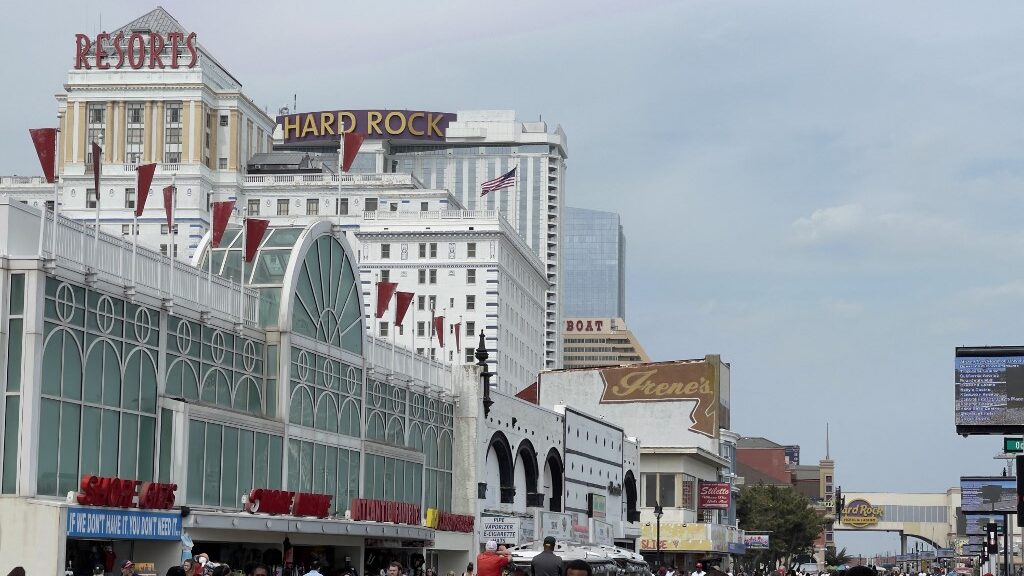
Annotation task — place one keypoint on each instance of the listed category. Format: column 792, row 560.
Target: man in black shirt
column 547, row 563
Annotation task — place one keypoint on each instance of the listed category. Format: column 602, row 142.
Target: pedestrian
column 699, row 571
column 261, row 570
column 547, row 563
column 222, row 569
column 394, row 569
column 16, row 571
column 314, row 569
column 492, row 561
column 189, row 566
column 578, row 568
column 469, row 570
column 128, row 569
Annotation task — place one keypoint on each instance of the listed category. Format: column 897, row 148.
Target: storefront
column 107, row 537
column 683, row 545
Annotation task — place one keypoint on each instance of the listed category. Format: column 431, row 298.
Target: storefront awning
column 298, row 525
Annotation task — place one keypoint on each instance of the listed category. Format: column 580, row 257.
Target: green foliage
column 833, row 558
column 784, row 513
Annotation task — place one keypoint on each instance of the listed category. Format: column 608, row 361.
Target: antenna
column 827, row 456
column 295, row 101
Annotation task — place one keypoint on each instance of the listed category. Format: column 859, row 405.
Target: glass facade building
column 594, row 261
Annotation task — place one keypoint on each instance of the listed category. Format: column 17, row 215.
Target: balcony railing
column 321, row 179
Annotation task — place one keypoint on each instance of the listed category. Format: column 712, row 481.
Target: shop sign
column 602, row 532
column 737, row 548
column 502, row 529
column 597, row 506
column 136, row 50
column 756, row 541
column 121, row 493
column 379, row 124
column 669, row 382
column 580, row 527
column 714, row 495
column 448, row 522
column 100, row 524
column 145, row 568
column 556, row 525
column 861, row 514
column 584, row 325
column 386, row 511
column 276, row 502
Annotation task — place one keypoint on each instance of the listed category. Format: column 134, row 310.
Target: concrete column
column 233, row 134
column 903, row 543
column 214, row 129
column 80, row 134
column 31, row 382
column 147, row 133
column 186, row 133
column 108, row 133
column 158, row 148
column 122, row 119
column 62, row 154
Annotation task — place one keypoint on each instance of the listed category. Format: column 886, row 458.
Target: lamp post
column 658, row 511
column 485, row 376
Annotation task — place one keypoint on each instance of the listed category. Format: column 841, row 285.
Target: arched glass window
column 326, row 302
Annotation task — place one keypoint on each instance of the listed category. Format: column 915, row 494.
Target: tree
column 833, row 558
column 792, row 523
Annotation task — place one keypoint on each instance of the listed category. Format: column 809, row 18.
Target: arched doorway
column 500, row 469
column 629, row 486
column 553, row 480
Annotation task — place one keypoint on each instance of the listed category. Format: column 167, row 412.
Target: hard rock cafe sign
column 861, row 514
column 668, row 382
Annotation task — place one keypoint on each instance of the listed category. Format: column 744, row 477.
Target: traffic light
column 1020, row 491
column 992, row 538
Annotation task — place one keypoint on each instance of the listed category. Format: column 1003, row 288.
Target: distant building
column 600, row 342
column 594, row 259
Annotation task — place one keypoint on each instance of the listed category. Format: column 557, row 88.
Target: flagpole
column 412, row 334
column 56, row 208
column 56, row 177
column 394, row 328
column 241, row 278
column 96, row 226
column 373, row 319
column 341, row 154
column 173, row 224
column 135, row 239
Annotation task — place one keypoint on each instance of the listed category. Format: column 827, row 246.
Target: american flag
column 504, row 181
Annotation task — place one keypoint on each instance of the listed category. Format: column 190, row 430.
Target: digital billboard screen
column 980, row 494
column 975, row 524
column 989, row 397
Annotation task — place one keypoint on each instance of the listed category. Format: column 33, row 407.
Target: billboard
column 325, row 126
column 704, row 382
column 980, row 494
column 974, row 524
column 714, row 495
column 756, row 541
column 989, row 397
column 792, row 455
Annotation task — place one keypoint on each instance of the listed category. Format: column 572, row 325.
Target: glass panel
column 353, row 475
column 111, row 376
column 331, row 473
column 52, row 365
column 276, row 447
column 148, row 384
column 147, row 445
column 245, row 461
column 70, row 427
column 11, row 425
column 650, row 490
column 166, row 444
column 130, row 399
column 17, row 294
column 305, row 467
column 411, row 493
column 341, row 502
column 229, row 493
column 109, row 442
column 261, row 461
column 14, row 355
column 211, row 488
column 72, row 369
column 389, row 479
column 129, row 445
column 49, row 420
column 319, row 467
column 196, row 458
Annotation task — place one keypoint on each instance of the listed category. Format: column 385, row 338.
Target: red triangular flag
column 254, row 230
column 169, row 207
column 45, row 141
column 439, row 328
column 352, row 143
column 458, row 336
column 385, row 290
column 221, row 215
column 96, row 167
column 145, row 181
column 404, row 299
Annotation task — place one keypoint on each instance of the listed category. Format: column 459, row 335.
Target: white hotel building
column 216, row 144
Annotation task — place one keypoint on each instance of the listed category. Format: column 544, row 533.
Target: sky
column 825, row 193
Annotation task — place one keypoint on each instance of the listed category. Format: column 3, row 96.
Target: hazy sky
column 826, row 194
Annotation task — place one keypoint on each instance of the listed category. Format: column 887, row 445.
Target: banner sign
column 597, row 506
column 502, row 529
column 325, row 126
column 714, row 495
column 602, row 533
column 555, row 524
column 756, row 541
column 107, row 524
column 386, row 511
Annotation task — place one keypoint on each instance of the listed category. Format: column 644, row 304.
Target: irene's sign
column 403, row 124
column 137, row 50
column 671, row 381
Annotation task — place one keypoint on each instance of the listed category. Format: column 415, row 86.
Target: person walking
column 128, row 569
column 469, row 570
column 547, row 563
column 492, row 561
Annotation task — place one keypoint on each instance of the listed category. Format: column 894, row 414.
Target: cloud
column 827, row 225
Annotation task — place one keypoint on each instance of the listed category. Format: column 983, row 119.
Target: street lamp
column 485, row 376
column 658, row 511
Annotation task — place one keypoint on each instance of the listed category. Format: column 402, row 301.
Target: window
column 433, row 276
column 469, row 355
column 129, row 198
column 421, row 276
column 433, row 353
column 424, row 206
column 282, row 207
column 163, row 250
column 828, row 478
column 223, row 119
column 126, row 229
column 385, row 251
column 419, row 351
column 90, row 197
column 371, row 205
column 470, row 302
column 420, row 332
column 173, row 110
column 163, row 229
column 433, row 249
column 423, row 250
column 383, row 329
column 471, row 276
column 432, row 302
column 421, row 302
column 134, row 138
column 471, row 250
column 253, row 207
column 689, row 492
column 470, row 328
column 394, row 207
column 96, row 129
column 341, row 206
column 312, row 207
column 385, row 275
column 222, row 163
column 650, row 485
column 172, row 132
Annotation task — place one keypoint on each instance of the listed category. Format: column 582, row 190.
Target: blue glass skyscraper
column 594, row 261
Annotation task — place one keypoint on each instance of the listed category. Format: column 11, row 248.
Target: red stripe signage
column 386, row 511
